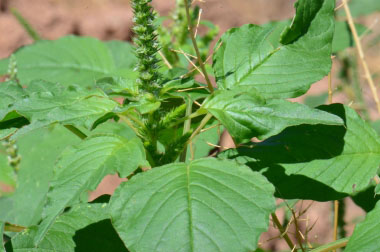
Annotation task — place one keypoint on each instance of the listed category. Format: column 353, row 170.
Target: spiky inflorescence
column 147, row 46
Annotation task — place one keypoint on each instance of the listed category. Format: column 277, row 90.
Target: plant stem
column 200, row 127
column 332, row 245
column 25, row 24
column 330, row 92
column 284, row 235
column 76, row 131
column 336, row 216
column 186, row 128
column 187, row 117
column 361, row 55
column 193, row 39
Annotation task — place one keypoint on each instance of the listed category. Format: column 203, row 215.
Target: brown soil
column 111, row 19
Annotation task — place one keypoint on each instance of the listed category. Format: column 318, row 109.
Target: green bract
column 76, row 109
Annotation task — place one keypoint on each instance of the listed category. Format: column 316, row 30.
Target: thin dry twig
column 336, row 215
column 192, row 63
column 283, row 231
column 198, row 22
column 185, row 53
column 165, row 60
column 361, row 55
column 200, row 62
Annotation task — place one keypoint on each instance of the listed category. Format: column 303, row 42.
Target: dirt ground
column 111, row 19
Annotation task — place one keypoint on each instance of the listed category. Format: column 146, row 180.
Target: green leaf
column 68, row 60
column 316, row 100
column 366, row 235
column 123, row 54
column 2, row 249
column 9, row 92
column 39, row 151
column 4, row 66
column 377, row 189
column 76, row 107
column 327, row 162
column 60, row 236
column 82, row 167
column 279, row 72
column 118, row 86
column 246, row 114
column 203, row 205
column 7, row 175
column 362, row 7
column 343, row 37
column 366, row 199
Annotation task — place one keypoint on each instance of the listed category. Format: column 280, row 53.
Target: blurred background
column 112, row 19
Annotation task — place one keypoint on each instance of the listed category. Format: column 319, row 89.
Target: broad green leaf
column 366, row 235
column 377, row 189
column 245, row 114
column 118, row 86
column 76, row 107
column 2, row 249
column 247, row 56
column 123, row 54
column 3, row 66
column 68, row 60
column 82, row 167
column 316, row 100
column 343, row 37
column 327, row 162
column 7, row 175
column 362, row 7
column 366, row 199
column 39, row 151
column 60, row 236
column 203, row 205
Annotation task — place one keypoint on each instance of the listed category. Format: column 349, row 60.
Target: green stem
column 193, row 39
column 76, row 131
column 200, row 127
column 187, row 118
column 332, row 245
column 25, row 24
column 284, row 235
column 186, row 128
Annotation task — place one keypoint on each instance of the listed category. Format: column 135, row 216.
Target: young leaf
column 203, row 205
column 245, row 114
column 39, row 151
column 366, row 235
column 60, row 236
column 68, row 60
column 10, row 92
column 83, row 167
column 69, row 107
column 288, row 70
column 342, row 158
